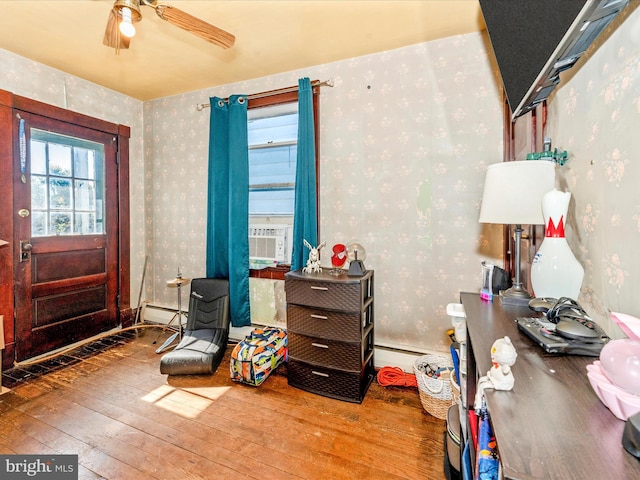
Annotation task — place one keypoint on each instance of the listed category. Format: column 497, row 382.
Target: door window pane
column 60, row 160
column 38, row 157
column 60, row 193
column 38, row 192
column 84, row 163
column 38, row 224
column 67, row 185
column 85, row 223
column 85, row 193
column 60, row 224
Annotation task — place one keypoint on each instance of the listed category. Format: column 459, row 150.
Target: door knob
column 25, row 250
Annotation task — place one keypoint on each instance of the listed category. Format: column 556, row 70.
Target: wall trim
column 386, row 355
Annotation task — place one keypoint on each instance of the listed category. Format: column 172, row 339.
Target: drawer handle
column 324, row 289
column 321, row 317
column 319, row 345
column 320, row 374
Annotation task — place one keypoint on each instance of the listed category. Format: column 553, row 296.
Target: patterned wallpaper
column 405, row 138
column 40, row 82
column 595, row 116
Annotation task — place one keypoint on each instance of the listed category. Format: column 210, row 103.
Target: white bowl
column 622, row 404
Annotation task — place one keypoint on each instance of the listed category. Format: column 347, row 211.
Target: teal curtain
column 305, row 221
column 228, row 203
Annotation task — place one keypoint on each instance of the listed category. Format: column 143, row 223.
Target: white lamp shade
column 513, row 192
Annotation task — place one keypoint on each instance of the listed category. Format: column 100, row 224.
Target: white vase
column 555, row 271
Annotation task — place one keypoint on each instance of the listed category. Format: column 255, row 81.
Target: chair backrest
column 208, row 304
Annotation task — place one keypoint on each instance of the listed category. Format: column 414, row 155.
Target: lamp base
column 515, row 296
column 356, row 269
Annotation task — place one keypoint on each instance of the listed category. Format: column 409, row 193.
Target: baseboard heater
column 386, row 355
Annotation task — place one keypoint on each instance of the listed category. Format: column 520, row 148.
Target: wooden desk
column 551, row 425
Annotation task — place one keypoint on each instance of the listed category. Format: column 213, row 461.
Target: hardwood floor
column 125, row 420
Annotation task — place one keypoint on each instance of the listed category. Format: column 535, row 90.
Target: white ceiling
column 271, row 37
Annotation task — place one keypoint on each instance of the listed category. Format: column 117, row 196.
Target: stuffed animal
column 313, row 263
column 503, row 357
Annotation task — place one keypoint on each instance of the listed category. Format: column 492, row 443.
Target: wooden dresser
column 552, row 424
column 330, row 325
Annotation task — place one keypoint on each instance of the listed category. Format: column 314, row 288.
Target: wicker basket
column 436, row 393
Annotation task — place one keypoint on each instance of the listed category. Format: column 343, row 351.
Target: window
column 67, row 185
column 273, row 135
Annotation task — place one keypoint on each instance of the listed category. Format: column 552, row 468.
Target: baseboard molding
column 160, row 314
column 384, row 355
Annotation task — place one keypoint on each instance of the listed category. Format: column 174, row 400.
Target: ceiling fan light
column 134, row 5
column 126, row 26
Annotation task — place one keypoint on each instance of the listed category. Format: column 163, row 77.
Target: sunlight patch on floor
column 186, row 402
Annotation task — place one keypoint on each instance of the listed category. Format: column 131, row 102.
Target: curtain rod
column 316, row 83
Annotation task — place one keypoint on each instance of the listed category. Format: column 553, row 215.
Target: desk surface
column 551, row 425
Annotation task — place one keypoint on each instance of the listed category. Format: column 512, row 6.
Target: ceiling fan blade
column 194, row 25
column 112, row 36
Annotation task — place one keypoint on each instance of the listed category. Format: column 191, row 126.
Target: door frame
column 9, row 103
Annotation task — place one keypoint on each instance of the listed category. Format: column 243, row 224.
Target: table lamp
column 512, row 195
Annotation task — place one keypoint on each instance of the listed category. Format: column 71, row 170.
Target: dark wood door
column 66, row 233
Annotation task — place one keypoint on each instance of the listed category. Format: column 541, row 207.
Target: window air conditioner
column 270, row 242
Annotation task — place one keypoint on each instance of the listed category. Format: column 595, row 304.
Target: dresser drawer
column 330, row 328
column 347, row 386
column 329, row 353
column 343, row 326
column 316, row 293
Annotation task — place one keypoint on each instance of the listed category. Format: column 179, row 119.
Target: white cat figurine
column 500, row 377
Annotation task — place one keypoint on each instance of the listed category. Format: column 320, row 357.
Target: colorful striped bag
column 260, row 353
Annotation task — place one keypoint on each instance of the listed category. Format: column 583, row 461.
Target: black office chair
column 206, row 333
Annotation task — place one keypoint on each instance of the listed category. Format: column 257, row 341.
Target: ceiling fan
column 125, row 13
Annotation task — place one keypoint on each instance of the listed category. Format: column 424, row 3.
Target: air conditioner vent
column 270, row 241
